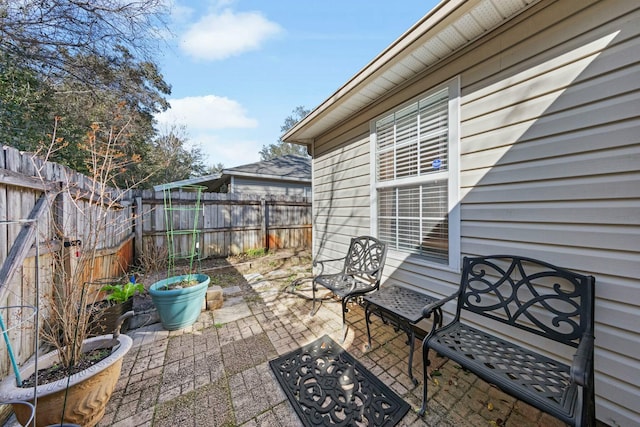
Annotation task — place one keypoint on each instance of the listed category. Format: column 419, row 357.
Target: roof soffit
column 448, row 28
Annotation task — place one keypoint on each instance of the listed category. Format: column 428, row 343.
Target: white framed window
column 415, row 168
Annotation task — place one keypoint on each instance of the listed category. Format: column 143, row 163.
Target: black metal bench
column 532, row 297
column 360, row 274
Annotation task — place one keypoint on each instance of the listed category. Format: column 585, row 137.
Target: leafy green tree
column 24, row 101
column 215, row 168
column 282, row 148
column 176, row 161
column 135, row 91
column 77, row 63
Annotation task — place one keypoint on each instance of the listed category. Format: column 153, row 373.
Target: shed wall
column 550, row 148
column 262, row 186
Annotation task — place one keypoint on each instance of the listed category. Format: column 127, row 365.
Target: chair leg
column 344, row 318
column 313, row 293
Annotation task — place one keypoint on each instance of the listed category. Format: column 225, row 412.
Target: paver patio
column 215, row 373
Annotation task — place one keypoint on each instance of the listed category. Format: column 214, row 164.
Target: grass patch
column 257, row 252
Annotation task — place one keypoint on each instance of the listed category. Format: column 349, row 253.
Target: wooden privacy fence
column 229, row 224
column 47, row 212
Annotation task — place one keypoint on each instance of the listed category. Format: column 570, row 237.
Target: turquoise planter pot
column 179, row 308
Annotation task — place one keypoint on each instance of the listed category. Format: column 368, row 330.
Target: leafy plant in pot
column 119, row 300
column 75, row 380
column 179, row 298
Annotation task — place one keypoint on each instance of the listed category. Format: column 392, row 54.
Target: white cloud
column 221, row 35
column 227, row 150
column 212, row 122
column 180, row 14
column 207, row 112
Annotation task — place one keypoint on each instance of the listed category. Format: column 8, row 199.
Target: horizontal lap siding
column 263, row 186
column 550, row 148
column 341, row 206
column 550, row 151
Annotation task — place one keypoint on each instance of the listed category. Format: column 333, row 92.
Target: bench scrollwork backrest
column 528, row 294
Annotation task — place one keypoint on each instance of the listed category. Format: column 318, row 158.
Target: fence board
column 233, row 224
column 23, row 180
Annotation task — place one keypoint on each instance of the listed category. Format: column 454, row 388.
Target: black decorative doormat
column 328, row 387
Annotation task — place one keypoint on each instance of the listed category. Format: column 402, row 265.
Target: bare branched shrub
column 153, row 258
column 93, row 201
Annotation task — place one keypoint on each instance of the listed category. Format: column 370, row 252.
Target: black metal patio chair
column 361, row 272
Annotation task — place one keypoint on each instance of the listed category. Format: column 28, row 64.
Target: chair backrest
column 365, row 259
column 529, row 294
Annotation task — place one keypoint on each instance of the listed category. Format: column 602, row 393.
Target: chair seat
column 515, row 369
column 344, row 285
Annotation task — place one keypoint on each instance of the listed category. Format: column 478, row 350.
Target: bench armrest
column 429, row 308
column 583, row 362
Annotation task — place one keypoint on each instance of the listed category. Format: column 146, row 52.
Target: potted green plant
column 179, row 298
column 118, row 300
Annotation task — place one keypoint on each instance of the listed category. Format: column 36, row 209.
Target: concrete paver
column 233, row 309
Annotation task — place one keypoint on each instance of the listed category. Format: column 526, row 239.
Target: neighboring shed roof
column 289, row 168
column 204, row 180
column 286, row 168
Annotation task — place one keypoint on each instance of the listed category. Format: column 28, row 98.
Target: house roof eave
column 418, row 49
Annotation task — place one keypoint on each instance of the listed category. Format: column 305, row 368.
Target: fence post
column 265, row 223
column 137, row 227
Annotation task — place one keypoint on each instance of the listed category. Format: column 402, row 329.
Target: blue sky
column 238, row 68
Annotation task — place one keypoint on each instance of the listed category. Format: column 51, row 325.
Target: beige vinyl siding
column 263, row 186
column 550, row 168
column 341, row 207
column 550, row 150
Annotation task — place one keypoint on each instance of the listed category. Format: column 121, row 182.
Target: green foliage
column 215, row 168
column 120, row 293
column 87, row 63
column 257, row 252
column 23, row 105
column 281, row 148
column 176, row 162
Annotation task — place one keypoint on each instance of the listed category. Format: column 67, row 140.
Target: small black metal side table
column 402, row 307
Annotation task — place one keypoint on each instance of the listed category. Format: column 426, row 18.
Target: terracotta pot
column 89, row 390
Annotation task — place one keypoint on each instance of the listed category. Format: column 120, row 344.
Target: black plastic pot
column 103, row 317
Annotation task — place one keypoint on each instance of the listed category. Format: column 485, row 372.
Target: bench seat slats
column 527, row 295
column 521, row 372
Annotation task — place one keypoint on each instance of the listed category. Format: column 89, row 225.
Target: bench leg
column 412, row 340
column 437, row 323
column 587, row 403
column 425, row 377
